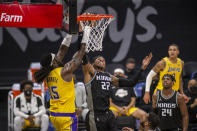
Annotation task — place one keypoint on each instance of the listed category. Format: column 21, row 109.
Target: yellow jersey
column 172, row 69
column 62, row 93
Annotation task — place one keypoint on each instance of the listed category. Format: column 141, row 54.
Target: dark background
column 175, row 22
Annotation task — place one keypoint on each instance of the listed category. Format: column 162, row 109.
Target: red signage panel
column 31, row 15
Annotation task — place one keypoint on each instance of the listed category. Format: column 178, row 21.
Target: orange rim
column 92, row 17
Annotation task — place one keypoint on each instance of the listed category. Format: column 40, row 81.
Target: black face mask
column 28, row 92
column 193, row 90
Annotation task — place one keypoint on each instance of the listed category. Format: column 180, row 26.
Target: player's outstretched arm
column 122, row 82
column 180, row 79
column 181, row 84
column 63, row 49
column 154, row 102
column 88, row 69
column 71, row 66
column 157, row 68
column 184, row 112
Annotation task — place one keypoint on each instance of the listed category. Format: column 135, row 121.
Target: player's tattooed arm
column 72, row 65
column 159, row 66
column 64, row 47
column 184, row 112
column 61, row 52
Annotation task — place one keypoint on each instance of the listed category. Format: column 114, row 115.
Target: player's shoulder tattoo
column 160, row 65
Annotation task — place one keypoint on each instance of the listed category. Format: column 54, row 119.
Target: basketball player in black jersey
column 170, row 106
column 98, row 84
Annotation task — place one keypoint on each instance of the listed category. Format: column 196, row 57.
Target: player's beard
column 98, row 67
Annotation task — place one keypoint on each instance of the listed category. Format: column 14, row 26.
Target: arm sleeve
column 130, row 82
column 41, row 107
column 17, row 111
column 149, row 79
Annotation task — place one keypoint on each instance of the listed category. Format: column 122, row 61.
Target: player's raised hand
column 146, row 61
column 186, row 98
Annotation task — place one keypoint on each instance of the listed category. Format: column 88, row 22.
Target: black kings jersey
column 98, row 92
column 122, row 96
column 169, row 111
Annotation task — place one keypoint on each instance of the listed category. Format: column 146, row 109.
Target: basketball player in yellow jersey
column 168, row 65
column 59, row 79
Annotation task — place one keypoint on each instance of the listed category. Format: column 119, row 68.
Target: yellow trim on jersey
column 131, row 110
column 62, row 93
column 172, row 69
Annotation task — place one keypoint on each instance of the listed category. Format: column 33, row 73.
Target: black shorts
column 104, row 121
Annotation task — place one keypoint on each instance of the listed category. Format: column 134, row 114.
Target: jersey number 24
column 166, row 112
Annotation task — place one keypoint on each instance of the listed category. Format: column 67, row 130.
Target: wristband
column 86, row 34
column 67, row 40
column 85, row 59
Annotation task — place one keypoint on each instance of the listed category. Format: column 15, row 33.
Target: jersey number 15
column 53, row 92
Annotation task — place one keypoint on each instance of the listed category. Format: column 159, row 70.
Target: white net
column 97, row 33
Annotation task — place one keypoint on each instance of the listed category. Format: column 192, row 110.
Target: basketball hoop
column 98, row 23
